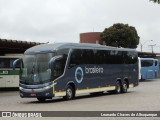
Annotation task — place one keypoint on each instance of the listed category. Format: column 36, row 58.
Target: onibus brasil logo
column 79, row 74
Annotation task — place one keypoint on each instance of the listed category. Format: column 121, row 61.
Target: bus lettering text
column 3, row 72
column 93, row 70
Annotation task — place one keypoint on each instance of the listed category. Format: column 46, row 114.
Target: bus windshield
column 36, row 69
column 146, row 63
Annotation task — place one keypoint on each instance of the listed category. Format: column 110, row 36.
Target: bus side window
column 132, row 57
column 8, row 63
column 59, row 66
column 155, row 63
column 119, row 57
column 76, row 58
column 111, row 57
column 88, row 56
column 11, row 63
column 2, row 63
column 99, row 57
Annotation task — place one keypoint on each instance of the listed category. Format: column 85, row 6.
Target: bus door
column 156, row 68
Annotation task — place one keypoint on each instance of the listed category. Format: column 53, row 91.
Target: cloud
column 64, row 20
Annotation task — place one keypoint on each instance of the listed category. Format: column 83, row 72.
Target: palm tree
column 156, row 1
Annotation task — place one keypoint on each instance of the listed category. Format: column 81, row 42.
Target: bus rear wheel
column 124, row 87
column 70, row 93
column 118, row 87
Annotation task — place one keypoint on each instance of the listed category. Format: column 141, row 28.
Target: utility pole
column 152, row 47
column 144, row 43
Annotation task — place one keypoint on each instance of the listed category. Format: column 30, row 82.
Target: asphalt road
column 145, row 97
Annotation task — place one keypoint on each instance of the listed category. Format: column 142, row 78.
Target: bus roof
column 148, row 59
column 52, row 47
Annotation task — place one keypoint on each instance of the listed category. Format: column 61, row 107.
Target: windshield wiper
column 33, row 69
column 38, row 71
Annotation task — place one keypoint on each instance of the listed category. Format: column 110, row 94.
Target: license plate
column 33, row 95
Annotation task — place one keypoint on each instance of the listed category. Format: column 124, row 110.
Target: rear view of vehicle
column 149, row 68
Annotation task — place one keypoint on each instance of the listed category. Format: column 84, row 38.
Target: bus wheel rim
column 69, row 93
column 125, row 87
column 118, row 88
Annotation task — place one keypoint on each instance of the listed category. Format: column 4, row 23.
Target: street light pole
column 152, row 47
column 144, row 43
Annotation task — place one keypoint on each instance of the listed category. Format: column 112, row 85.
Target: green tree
column 156, row 1
column 120, row 35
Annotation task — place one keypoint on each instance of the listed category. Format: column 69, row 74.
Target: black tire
column 141, row 78
column 41, row 99
column 111, row 91
column 70, row 93
column 118, row 87
column 124, row 87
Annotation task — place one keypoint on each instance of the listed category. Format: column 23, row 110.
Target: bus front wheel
column 41, row 99
column 70, row 93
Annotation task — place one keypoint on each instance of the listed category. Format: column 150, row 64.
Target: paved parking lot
column 145, row 97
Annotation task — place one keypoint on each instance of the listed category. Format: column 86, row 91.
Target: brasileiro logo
column 91, row 70
column 79, row 74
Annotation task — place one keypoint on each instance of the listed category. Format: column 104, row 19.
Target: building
column 15, row 46
column 91, row 37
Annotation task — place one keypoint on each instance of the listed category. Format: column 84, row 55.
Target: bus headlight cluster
column 46, row 94
column 48, row 87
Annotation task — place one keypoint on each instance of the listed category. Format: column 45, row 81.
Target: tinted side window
column 156, row 63
column 112, row 57
column 76, row 58
column 134, row 58
column 108, row 57
column 119, row 57
column 146, row 63
column 99, row 57
column 130, row 57
column 81, row 56
column 60, row 64
column 7, row 63
column 88, row 56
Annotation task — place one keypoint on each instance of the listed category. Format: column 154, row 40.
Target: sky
column 56, row 21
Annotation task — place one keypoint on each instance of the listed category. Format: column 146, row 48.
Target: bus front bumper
column 46, row 92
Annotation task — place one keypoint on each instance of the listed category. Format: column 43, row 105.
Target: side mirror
column 53, row 59
column 17, row 61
